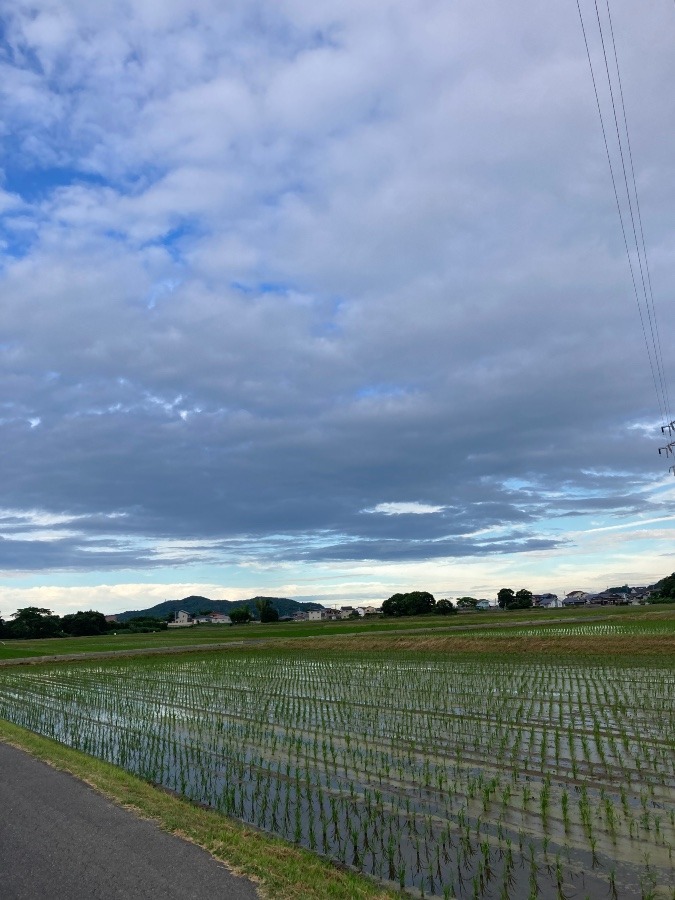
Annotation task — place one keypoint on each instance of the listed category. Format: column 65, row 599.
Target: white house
column 182, row 619
column 546, row 601
column 316, row 615
column 213, row 619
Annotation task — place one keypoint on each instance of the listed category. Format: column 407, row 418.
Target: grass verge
column 281, row 870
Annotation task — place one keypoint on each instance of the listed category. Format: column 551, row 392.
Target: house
column 609, row 598
column 182, row 619
column 316, row 615
column 576, row 598
column 300, row 616
column 483, row 604
column 639, row 595
column 546, row 601
column 213, row 619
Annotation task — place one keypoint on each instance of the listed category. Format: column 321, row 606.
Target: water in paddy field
column 446, row 777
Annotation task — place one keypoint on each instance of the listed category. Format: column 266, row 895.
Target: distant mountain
column 196, row 604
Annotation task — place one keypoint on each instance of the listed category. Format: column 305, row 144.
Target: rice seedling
column 446, row 776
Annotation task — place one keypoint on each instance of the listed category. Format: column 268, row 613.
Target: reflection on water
column 463, row 778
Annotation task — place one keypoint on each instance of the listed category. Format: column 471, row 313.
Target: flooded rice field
column 472, row 777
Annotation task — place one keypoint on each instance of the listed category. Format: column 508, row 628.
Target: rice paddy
column 582, row 629
column 478, row 776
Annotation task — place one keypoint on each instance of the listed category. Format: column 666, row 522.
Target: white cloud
column 397, row 509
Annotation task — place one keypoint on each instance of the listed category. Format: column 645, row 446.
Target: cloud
column 264, row 265
column 399, row 509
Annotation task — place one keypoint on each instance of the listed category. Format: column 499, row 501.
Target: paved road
column 60, row 840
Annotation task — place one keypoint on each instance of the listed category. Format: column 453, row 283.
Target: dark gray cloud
column 263, row 273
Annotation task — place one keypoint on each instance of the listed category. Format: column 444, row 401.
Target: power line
column 659, row 382
column 651, row 313
column 650, row 293
column 618, row 205
column 645, row 297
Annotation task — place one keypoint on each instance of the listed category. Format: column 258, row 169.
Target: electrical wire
column 650, row 292
column 650, row 354
column 658, row 357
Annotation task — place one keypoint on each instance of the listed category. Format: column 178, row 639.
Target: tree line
column 420, row 603
column 416, row 603
column 37, row 622
column 33, row 622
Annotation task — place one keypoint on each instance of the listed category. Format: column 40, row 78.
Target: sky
column 328, row 301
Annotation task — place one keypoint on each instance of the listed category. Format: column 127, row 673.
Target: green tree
column 505, row 597
column 524, row 598
column 665, row 590
column 414, row 603
column 445, row 607
column 83, row 623
column 240, row 615
column 266, row 611
column 34, row 622
column 467, row 603
column 393, row 606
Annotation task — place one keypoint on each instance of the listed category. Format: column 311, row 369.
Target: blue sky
column 326, row 302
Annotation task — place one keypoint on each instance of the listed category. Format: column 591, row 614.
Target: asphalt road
column 60, row 840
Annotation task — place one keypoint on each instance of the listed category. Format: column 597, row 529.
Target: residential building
column 182, row 619
column 546, row 601
column 213, row 619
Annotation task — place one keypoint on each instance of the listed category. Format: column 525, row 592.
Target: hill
column 196, row 604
